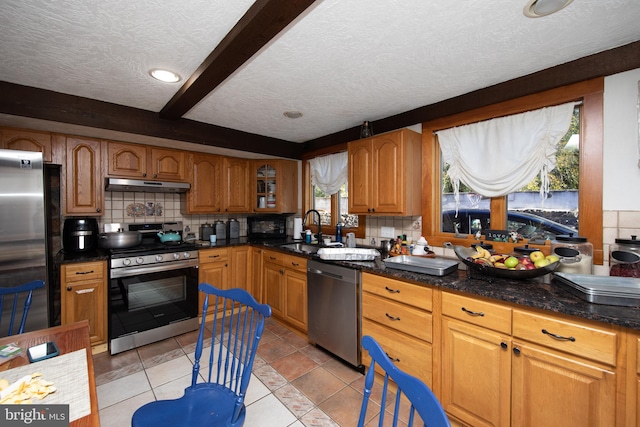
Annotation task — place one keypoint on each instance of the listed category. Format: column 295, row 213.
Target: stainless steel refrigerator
column 23, row 245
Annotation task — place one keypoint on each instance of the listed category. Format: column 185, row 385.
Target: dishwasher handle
column 325, row 273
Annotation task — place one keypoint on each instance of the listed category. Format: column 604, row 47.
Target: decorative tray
column 348, row 254
column 418, row 264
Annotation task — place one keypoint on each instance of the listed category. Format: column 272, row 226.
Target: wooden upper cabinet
column 26, row 140
column 385, row 174
column 275, row 186
column 237, row 185
column 144, row 162
column 82, row 177
column 205, row 176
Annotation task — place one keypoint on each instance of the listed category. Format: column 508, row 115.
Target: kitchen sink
column 302, row 248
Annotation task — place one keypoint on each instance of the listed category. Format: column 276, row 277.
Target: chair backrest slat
column 237, row 325
column 421, row 398
column 15, row 292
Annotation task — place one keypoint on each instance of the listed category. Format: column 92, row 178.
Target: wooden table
column 69, row 338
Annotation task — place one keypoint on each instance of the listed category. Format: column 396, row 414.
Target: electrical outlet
column 389, row 232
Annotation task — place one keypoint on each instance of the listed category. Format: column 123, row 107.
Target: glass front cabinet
column 276, row 187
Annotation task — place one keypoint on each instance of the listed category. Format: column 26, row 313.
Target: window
column 333, row 208
column 531, row 216
column 501, row 213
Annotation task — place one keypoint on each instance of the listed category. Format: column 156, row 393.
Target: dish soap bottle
column 339, row 232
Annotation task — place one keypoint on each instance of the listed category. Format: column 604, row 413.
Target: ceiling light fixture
column 538, row 8
column 164, row 75
column 292, row 114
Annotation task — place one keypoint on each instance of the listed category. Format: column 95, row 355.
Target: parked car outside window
column 529, row 226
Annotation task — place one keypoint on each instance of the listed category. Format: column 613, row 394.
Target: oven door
column 149, row 299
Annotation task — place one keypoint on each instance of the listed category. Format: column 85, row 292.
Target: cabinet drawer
column 395, row 290
column 408, row 354
column 477, row 312
column 213, row 255
column 403, row 318
column 83, row 271
column 273, row 256
column 571, row 337
column 295, row 263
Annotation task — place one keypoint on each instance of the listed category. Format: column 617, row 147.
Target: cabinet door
column 388, row 174
column 167, row 164
column 236, row 185
column 551, row 389
column 83, row 178
column 205, row 195
column 240, row 260
column 295, row 294
column 216, row 274
column 476, row 374
column 126, row 160
column 86, row 300
column 255, row 287
column 18, row 139
column 360, row 163
column 272, row 282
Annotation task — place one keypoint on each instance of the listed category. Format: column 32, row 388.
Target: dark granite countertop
column 63, row 257
column 533, row 293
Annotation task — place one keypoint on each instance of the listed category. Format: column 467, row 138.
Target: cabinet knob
column 504, row 345
column 144, row 175
column 98, row 210
column 516, row 351
column 155, row 175
column 69, row 288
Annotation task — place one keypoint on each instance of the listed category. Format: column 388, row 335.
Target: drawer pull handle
column 272, row 257
column 393, row 359
column 214, row 256
column 391, row 317
column 85, row 272
column 295, row 264
column 473, row 313
column 393, row 291
column 558, row 337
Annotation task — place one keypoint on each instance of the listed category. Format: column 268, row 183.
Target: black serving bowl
column 464, row 254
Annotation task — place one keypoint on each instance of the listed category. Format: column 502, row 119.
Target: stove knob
column 158, row 258
column 186, row 255
column 126, row 261
column 176, row 256
column 139, row 260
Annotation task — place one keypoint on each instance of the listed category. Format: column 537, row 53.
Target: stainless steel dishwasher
column 334, row 309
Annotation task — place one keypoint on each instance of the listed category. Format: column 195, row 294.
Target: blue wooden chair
column 218, row 400
column 421, row 398
column 16, row 292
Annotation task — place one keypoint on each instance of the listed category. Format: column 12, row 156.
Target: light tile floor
column 293, row 383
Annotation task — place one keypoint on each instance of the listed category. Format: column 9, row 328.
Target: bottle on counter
column 307, row 236
column 339, row 232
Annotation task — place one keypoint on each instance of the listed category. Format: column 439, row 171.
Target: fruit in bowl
column 506, row 265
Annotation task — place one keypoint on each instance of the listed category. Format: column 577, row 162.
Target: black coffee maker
column 80, row 235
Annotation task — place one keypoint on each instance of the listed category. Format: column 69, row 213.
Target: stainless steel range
column 153, row 287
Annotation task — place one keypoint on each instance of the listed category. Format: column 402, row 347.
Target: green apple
column 536, row 256
column 552, row 258
column 541, row 263
column 511, row 262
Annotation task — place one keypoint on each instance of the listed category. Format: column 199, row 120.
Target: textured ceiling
column 340, row 63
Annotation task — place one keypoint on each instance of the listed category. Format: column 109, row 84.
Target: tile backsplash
column 125, row 207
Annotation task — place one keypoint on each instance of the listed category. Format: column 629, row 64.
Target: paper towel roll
column 297, row 228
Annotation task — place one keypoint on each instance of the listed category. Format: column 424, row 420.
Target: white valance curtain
column 330, row 172
column 499, row 156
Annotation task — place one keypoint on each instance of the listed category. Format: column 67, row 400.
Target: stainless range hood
column 120, row 184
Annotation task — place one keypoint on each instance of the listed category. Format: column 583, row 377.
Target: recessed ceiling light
column 165, row 76
column 292, row 114
column 538, row 8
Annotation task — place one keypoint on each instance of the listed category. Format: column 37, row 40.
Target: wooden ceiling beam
column 264, row 20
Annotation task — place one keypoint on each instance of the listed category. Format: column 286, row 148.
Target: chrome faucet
column 304, row 222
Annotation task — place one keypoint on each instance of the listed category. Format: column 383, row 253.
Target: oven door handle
column 116, row 273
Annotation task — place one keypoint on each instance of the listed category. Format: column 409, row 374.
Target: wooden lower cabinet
column 240, row 262
column 398, row 315
column 528, row 369
column 213, row 268
column 284, row 280
column 84, row 296
column 255, row 287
